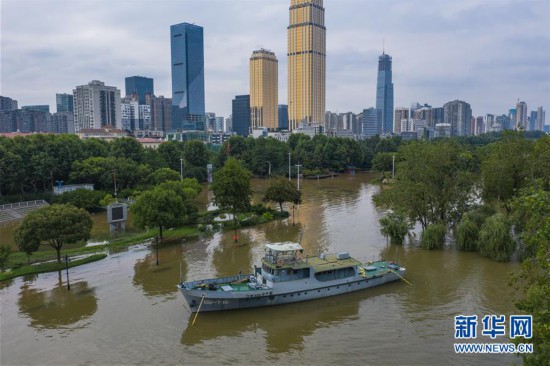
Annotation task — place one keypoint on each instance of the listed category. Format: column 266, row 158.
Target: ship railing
column 215, row 281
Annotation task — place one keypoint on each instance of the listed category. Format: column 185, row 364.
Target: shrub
column 395, row 226
column 467, row 235
column 495, row 240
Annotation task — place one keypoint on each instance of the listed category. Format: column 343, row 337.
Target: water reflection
column 285, row 326
column 160, row 280
column 58, row 307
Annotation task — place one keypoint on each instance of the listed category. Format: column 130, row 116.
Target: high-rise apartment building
column 161, row 113
column 458, row 115
column 37, row 108
column 521, row 115
column 401, row 114
column 541, row 114
column 306, row 58
column 140, row 87
column 264, row 88
column 96, row 105
column 64, row 102
column 384, row 93
column 187, row 57
column 7, row 104
column 370, row 122
column 241, row 115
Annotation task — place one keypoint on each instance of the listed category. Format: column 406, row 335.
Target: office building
column 532, row 121
column 140, row 87
column 384, row 94
column 264, row 89
column 96, row 105
column 187, row 58
column 283, row 117
column 241, row 115
column 20, row 120
column 62, row 122
column 64, row 102
column 458, row 115
column 161, row 113
column 306, row 63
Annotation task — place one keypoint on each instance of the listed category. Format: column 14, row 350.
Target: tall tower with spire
column 384, row 93
column 306, row 53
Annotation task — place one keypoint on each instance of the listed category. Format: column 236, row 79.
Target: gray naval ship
column 287, row 276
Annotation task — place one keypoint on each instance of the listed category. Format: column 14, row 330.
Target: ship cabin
column 286, row 262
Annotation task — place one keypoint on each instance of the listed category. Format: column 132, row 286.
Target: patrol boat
column 287, row 276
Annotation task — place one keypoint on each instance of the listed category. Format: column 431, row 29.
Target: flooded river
column 126, row 310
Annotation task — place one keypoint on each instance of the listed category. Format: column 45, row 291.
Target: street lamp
column 393, row 167
column 181, row 169
column 269, row 174
column 114, row 180
column 298, row 176
column 67, row 267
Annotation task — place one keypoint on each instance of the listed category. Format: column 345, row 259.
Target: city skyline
column 462, row 52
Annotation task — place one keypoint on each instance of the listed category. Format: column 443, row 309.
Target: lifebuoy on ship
column 280, row 261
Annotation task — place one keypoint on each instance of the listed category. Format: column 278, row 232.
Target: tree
column 55, row 226
column 162, row 175
column 232, row 189
column 395, row 226
column 129, row 148
column 27, row 242
column 159, row 207
column 281, row 190
column 383, row 162
column 495, row 240
column 195, row 154
column 5, row 251
column 81, row 198
column 531, row 210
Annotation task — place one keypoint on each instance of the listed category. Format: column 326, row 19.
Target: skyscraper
column 283, row 117
column 521, row 115
column 241, row 115
column 64, row 102
column 7, row 104
column 370, row 123
column 458, row 115
column 384, row 94
column 96, row 105
column 306, row 57
column 139, row 86
column 187, row 57
column 264, row 89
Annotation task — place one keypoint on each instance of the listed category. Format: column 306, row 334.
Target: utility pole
column 181, row 169
column 289, row 167
column 67, row 267
column 393, row 167
column 114, row 179
column 298, row 176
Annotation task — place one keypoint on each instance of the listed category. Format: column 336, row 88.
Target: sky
column 488, row 53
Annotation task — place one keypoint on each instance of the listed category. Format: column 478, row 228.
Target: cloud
column 487, row 53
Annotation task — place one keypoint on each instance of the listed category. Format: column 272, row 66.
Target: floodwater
column 126, row 310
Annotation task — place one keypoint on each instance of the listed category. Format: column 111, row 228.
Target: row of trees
column 35, row 163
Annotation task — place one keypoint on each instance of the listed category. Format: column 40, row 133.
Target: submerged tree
column 495, row 239
column 232, row 189
column 395, row 226
column 467, row 235
column 281, row 190
column 55, row 226
column 434, row 236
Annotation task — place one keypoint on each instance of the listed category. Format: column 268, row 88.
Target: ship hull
column 205, row 300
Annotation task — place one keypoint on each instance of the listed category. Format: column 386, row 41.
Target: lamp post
column 181, row 169
column 298, row 174
column 114, row 180
column 269, row 173
column 393, row 167
column 289, row 167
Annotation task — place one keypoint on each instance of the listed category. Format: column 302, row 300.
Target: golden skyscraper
column 264, row 86
column 306, row 63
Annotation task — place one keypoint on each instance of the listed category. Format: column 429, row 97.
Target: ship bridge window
column 335, row 274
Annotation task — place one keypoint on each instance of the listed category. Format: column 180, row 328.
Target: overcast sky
column 488, row 53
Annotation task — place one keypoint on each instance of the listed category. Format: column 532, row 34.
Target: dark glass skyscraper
column 64, row 102
column 241, row 115
column 384, row 94
column 140, row 86
column 187, row 56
